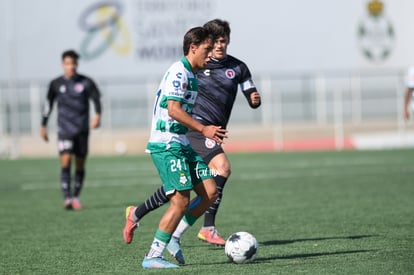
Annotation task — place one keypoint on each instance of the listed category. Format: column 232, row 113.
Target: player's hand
column 96, row 121
column 43, row 133
column 406, row 114
column 255, row 98
column 215, row 133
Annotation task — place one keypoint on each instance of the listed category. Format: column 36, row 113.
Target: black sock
column 210, row 215
column 65, row 182
column 156, row 200
column 79, row 176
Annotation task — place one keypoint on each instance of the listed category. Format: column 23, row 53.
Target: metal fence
column 319, row 98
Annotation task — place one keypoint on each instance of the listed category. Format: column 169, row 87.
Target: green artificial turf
column 312, row 213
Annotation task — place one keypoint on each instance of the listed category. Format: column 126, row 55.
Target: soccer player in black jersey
column 72, row 92
column 218, row 84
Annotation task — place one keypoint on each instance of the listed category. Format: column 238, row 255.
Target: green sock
column 189, row 219
column 161, row 240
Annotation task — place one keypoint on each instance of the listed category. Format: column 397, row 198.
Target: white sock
column 181, row 228
column 157, row 248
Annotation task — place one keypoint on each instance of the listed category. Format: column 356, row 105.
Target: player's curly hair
column 218, row 28
column 195, row 36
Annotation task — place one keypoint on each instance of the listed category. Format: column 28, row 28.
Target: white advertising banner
column 142, row 37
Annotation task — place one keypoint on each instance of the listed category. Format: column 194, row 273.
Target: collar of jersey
column 71, row 78
column 186, row 63
column 218, row 60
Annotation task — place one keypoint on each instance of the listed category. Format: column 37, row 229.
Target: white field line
column 93, row 184
column 315, row 173
column 104, row 169
column 322, row 168
column 297, row 174
column 319, row 163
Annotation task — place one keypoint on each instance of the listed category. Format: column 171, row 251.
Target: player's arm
column 407, row 99
column 47, row 110
column 96, row 99
column 248, row 88
column 175, row 111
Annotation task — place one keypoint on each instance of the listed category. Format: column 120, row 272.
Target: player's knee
column 180, row 205
column 225, row 170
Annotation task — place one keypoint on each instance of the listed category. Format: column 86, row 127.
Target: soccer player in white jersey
column 409, row 100
column 218, row 84
column 179, row 167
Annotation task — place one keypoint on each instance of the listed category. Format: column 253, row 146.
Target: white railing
column 334, row 99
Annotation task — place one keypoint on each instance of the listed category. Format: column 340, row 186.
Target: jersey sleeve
column 410, row 78
column 246, row 81
column 95, row 95
column 246, row 84
column 175, row 85
column 48, row 105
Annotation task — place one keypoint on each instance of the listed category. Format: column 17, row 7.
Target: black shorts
column 205, row 147
column 77, row 145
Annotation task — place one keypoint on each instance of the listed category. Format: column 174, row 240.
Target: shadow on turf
column 309, row 255
column 299, row 256
column 280, row 242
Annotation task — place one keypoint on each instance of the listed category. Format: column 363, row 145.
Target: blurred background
column 331, row 73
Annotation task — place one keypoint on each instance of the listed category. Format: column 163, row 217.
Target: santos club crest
column 376, row 34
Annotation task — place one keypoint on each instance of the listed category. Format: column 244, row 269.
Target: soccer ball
column 241, row 247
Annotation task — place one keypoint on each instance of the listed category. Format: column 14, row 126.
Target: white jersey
column 180, row 84
column 410, row 84
column 410, row 78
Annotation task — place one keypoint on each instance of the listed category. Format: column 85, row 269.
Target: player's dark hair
column 70, row 53
column 218, row 28
column 195, row 36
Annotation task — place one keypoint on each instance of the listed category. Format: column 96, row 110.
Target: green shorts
column 180, row 168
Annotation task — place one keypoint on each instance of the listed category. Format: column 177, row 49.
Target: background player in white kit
column 408, row 100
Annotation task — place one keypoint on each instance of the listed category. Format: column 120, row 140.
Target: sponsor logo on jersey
column 204, row 172
column 230, row 73
column 184, row 86
column 207, row 72
column 176, row 84
column 210, row 143
column 179, row 75
column 190, row 97
column 62, row 89
column 79, row 87
column 177, row 93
